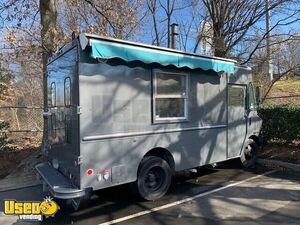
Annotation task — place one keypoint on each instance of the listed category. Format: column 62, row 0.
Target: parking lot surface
column 212, row 196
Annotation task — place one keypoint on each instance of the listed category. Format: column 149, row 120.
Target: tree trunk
column 48, row 15
column 219, row 42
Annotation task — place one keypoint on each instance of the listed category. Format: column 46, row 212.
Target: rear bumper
column 58, row 185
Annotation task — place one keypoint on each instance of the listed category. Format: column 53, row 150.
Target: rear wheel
column 154, row 178
column 249, row 154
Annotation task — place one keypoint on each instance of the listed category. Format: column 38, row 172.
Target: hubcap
column 154, row 179
column 248, row 152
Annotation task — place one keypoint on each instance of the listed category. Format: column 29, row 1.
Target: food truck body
column 122, row 112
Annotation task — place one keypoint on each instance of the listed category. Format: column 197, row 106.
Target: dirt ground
column 282, row 152
column 11, row 161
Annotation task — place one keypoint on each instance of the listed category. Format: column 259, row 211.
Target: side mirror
column 258, row 95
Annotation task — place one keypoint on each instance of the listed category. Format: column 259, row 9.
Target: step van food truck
column 122, row 112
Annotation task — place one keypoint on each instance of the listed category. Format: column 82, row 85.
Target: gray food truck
column 122, row 112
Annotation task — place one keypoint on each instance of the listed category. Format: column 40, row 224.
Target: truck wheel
column 249, row 154
column 154, row 178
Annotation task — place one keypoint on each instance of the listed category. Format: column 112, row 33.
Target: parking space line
column 145, row 212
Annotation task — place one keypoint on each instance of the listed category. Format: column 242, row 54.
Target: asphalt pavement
column 228, row 195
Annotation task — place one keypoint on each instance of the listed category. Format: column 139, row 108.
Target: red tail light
column 89, row 172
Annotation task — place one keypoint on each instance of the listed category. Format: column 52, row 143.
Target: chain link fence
column 26, row 124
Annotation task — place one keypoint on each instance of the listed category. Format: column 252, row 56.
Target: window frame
column 68, row 78
column 155, row 96
column 68, row 129
column 53, row 121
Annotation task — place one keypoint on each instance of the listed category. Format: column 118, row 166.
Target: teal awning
column 106, row 49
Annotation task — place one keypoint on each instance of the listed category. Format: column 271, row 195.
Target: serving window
column 170, row 97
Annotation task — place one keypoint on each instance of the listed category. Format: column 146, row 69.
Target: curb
column 284, row 165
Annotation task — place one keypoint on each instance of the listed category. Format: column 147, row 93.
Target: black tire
column 249, row 154
column 154, row 178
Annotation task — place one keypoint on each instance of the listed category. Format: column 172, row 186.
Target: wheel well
column 164, row 154
column 255, row 138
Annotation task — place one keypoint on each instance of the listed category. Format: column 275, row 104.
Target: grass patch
column 288, row 85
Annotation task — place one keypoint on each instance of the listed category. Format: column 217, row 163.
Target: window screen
column 170, row 96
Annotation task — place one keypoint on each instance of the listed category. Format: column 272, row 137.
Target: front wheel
column 249, row 154
column 154, row 178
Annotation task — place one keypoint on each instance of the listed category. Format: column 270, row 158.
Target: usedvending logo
column 31, row 210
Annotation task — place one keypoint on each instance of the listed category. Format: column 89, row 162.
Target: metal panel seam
column 132, row 134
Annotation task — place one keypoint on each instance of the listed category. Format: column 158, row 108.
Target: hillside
column 285, row 88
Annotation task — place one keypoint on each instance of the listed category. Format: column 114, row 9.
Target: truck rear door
column 63, row 120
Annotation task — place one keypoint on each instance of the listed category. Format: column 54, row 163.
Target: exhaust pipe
column 174, row 34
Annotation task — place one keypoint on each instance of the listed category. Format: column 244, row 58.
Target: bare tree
column 190, row 32
column 169, row 10
column 152, row 7
column 117, row 23
column 232, row 19
column 5, row 81
column 49, row 35
column 162, row 15
column 35, row 27
column 286, row 61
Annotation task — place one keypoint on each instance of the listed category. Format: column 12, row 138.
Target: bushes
column 4, row 143
column 281, row 122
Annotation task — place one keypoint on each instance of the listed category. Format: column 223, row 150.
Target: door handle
column 46, row 114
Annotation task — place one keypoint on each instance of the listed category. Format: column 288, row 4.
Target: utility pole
column 269, row 59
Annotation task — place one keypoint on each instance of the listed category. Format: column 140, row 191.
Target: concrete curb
column 285, row 165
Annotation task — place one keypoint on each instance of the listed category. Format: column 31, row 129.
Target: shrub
column 5, row 145
column 281, row 122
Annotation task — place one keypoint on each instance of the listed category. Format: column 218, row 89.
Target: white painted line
column 182, row 201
